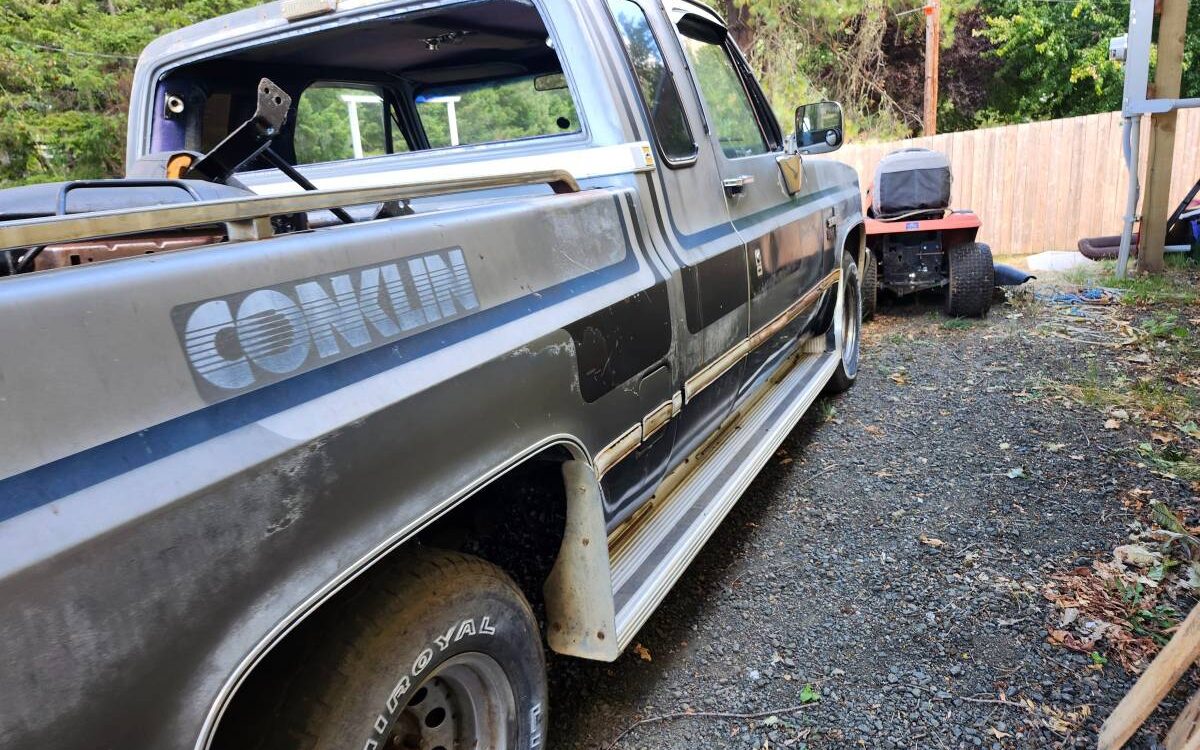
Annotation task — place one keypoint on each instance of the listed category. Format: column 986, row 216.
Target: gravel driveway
column 891, row 558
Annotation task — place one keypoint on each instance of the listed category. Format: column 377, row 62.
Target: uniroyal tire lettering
column 455, row 633
column 535, row 726
column 393, row 701
column 422, row 661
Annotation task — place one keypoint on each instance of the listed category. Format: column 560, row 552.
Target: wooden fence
column 1043, row 185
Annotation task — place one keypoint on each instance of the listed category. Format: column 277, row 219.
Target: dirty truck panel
column 254, row 371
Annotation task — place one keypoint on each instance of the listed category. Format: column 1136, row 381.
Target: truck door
column 784, row 233
column 684, row 204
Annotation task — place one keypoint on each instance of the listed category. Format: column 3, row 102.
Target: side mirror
column 819, row 127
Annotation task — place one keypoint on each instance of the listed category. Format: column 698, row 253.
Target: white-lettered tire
column 444, row 652
column 847, row 325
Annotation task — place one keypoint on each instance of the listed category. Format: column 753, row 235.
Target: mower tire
column 870, row 286
column 972, row 279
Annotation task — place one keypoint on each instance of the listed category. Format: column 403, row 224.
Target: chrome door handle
column 737, row 185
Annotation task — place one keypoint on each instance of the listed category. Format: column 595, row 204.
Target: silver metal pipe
column 49, row 230
column 1131, row 138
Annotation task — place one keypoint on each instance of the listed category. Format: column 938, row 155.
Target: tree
column 1054, row 57
column 65, row 72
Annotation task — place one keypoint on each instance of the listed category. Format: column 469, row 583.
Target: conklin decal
column 244, row 340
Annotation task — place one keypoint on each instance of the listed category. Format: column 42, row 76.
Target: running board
column 648, row 559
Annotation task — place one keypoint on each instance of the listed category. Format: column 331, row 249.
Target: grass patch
column 1150, row 397
column 1174, row 286
column 957, row 324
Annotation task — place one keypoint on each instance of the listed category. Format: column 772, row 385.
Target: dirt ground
column 928, row 561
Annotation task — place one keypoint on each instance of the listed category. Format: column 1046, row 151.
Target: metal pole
column 452, row 118
column 1132, row 139
column 355, row 133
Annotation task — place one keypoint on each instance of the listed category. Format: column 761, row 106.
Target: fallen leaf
column 873, row 429
column 642, row 652
column 997, row 733
column 1112, row 424
column 899, row 378
column 1119, row 414
column 931, row 541
column 1054, row 447
column 1165, row 438
column 1136, row 554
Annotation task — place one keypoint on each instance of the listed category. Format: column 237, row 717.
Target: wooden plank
column 1162, row 674
column 1172, row 28
column 1004, row 166
column 1057, row 201
column 1183, row 734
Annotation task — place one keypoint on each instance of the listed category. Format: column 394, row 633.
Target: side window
column 338, row 121
column 728, row 103
column 655, row 81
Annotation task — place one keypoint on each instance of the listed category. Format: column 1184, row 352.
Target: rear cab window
column 497, row 111
column 336, row 121
column 462, row 74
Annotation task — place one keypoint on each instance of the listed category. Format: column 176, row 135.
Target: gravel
column 890, row 558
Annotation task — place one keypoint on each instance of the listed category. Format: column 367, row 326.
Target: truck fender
column 579, row 596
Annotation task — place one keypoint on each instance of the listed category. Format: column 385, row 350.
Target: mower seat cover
column 912, row 179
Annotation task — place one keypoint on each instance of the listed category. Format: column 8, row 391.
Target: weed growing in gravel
column 957, row 324
column 827, row 410
column 1171, row 459
column 1165, row 326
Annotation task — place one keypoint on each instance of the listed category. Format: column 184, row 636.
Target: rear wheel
column 846, row 326
column 972, row 279
column 444, row 653
column 870, row 286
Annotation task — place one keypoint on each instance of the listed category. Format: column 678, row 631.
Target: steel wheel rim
column 851, row 306
column 464, row 704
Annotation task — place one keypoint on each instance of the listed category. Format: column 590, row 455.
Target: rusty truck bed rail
column 249, row 218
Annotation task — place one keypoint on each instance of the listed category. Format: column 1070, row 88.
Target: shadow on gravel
column 892, row 560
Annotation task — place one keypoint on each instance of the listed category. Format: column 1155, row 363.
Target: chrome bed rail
column 249, row 218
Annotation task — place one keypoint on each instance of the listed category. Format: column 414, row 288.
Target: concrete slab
column 1057, row 260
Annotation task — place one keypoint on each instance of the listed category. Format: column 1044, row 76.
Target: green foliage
column 66, row 67
column 65, row 71
column 1054, row 58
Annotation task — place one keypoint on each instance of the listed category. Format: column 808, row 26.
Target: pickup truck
column 417, row 335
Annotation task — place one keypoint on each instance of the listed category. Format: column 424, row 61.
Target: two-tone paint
column 202, row 446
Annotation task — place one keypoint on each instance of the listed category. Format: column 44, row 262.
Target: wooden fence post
column 1172, row 27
